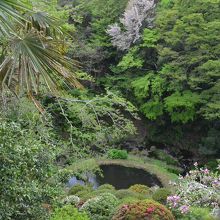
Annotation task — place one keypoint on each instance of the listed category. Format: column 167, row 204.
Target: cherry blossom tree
column 137, row 12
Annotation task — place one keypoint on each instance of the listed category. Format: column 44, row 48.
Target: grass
column 152, row 166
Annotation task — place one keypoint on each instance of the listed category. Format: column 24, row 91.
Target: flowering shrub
column 71, row 200
column 146, row 209
column 200, row 187
column 138, row 188
column 173, row 200
column 197, row 214
column 100, row 207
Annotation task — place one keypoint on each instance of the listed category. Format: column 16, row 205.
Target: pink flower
column 174, row 200
column 125, row 207
column 184, row 209
column 216, row 183
column 150, row 210
column 206, row 171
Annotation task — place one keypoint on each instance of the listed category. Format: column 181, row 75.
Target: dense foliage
column 145, row 93
column 26, row 165
column 174, row 75
column 91, row 122
column 93, row 46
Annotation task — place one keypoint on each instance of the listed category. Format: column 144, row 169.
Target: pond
column 119, row 176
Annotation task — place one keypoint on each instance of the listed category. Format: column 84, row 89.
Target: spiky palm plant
column 31, row 50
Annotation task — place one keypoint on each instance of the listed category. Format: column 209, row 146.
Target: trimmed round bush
column 84, row 195
column 138, row 188
column 79, row 188
column 100, row 207
column 128, row 200
column 146, row 209
column 161, row 194
column 71, row 200
column 101, row 191
column 68, row 213
column 106, row 186
column 124, row 193
column 153, row 189
column 117, row 154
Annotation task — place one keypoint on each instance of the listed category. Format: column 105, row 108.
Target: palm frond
column 44, row 22
column 33, row 51
column 32, row 58
column 9, row 13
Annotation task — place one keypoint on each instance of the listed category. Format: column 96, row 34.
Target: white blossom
column 136, row 13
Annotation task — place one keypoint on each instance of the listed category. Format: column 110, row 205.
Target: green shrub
column 79, row 188
column 64, row 175
column 117, row 154
column 100, row 207
column 85, row 195
column 153, row 189
column 26, row 165
column 160, row 195
column 101, row 191
column 124, row 193
column 146, row 209
column 71, row 200
column 106, row 186
column 198, row 214
column 138, row 188
column 128, row 200
column 68, row 213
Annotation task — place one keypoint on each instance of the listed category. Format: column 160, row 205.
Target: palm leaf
column 9, row 13
column 33, row 57
column 44, row 22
